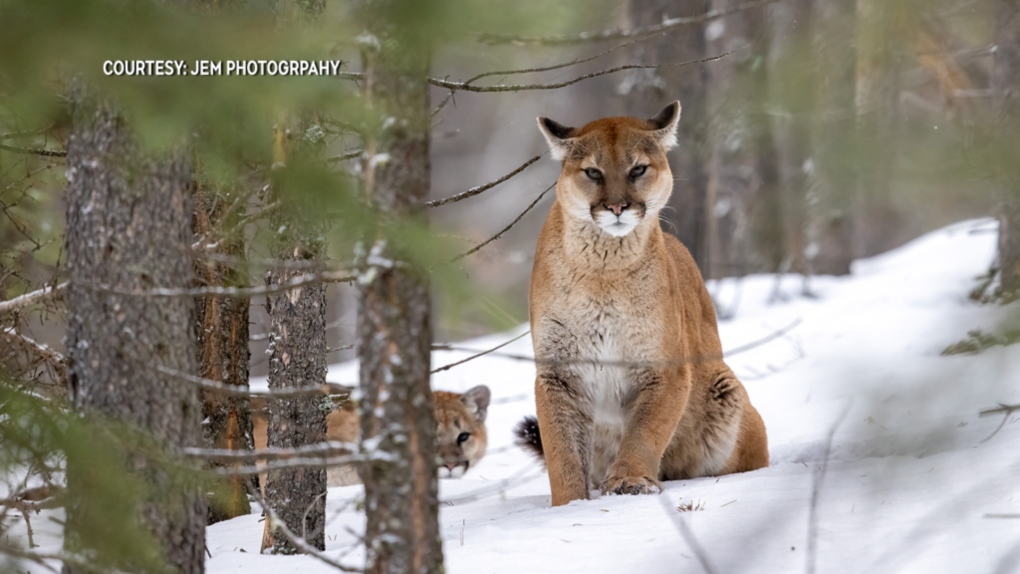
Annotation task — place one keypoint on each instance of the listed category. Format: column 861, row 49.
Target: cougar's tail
column 529, row 437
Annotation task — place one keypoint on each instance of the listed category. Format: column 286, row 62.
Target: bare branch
column 323, row 450
column 276, row 523
column 617, row 34
column 332, row 276
column 505, row 229
column 625, row 363
column 480, row 188
column 239, row 391
column 347, row 155
column 573, row 62
column 34, row 151
column 465, row 87
column 27, row 299
column 483, row 353
column 54, row 358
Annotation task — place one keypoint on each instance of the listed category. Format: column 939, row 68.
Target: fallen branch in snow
column 481, row 188
column 1005, row 410
column 688, row 536
column 505, row 229
column 616, row 34
column 301, row 544
column 37, row 296
column 816, row 489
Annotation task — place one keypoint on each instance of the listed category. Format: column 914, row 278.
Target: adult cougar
column 631, row 386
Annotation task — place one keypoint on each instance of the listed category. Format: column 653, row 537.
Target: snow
column 914, row 480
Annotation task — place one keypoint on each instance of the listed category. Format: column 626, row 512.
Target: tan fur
column 631, row 386
column 455, row 414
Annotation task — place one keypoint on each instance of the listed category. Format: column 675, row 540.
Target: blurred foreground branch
column 618, row 33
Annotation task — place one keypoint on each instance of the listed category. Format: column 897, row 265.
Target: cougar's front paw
column 630, row 485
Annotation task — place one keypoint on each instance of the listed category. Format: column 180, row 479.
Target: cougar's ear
column 664, row 125
column 477, row 399
column 558, row 137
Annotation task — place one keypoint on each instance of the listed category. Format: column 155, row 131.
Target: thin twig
column 325, row 389
column 626, row 363
column 322, row 450
column 465, row 87
column 216, row 290
column 34, row 151
column 346, row 155
column 27, row 299
column 276, row 523
column 505, row 229
column 480, row 188
column 618, row 33
column 483, row 353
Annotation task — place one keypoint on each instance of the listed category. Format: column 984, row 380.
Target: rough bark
column 221, row 327
column 129, row 229
column 1006, row 84
column 830, row 226
column 297, row 347
column 650, row 90
column 394, row 329
column 297, row 338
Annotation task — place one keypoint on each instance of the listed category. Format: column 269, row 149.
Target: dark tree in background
column 221, row 325
column 1006, row 88
column 128, row 231
column 398, row 425
column 791, row 103
column 649, row 90
column 830, row 215
column 881, row 34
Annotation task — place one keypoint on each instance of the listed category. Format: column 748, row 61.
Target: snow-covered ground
column 911, row 481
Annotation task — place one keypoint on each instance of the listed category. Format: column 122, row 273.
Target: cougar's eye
column 637, row 171
column 462, row 437
column 593, row 174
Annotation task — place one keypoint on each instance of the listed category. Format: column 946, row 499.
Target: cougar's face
column 615, row 172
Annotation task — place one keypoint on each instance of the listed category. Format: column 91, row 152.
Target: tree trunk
column 221, row 326
column 649, row 90
column 1006, row 84
column 831, row 220
column 297, row 337
column 394, row 330
column 297, row 346
column 129, row 229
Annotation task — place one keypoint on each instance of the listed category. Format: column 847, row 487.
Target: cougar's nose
column 616, row 208
column 450, row 465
